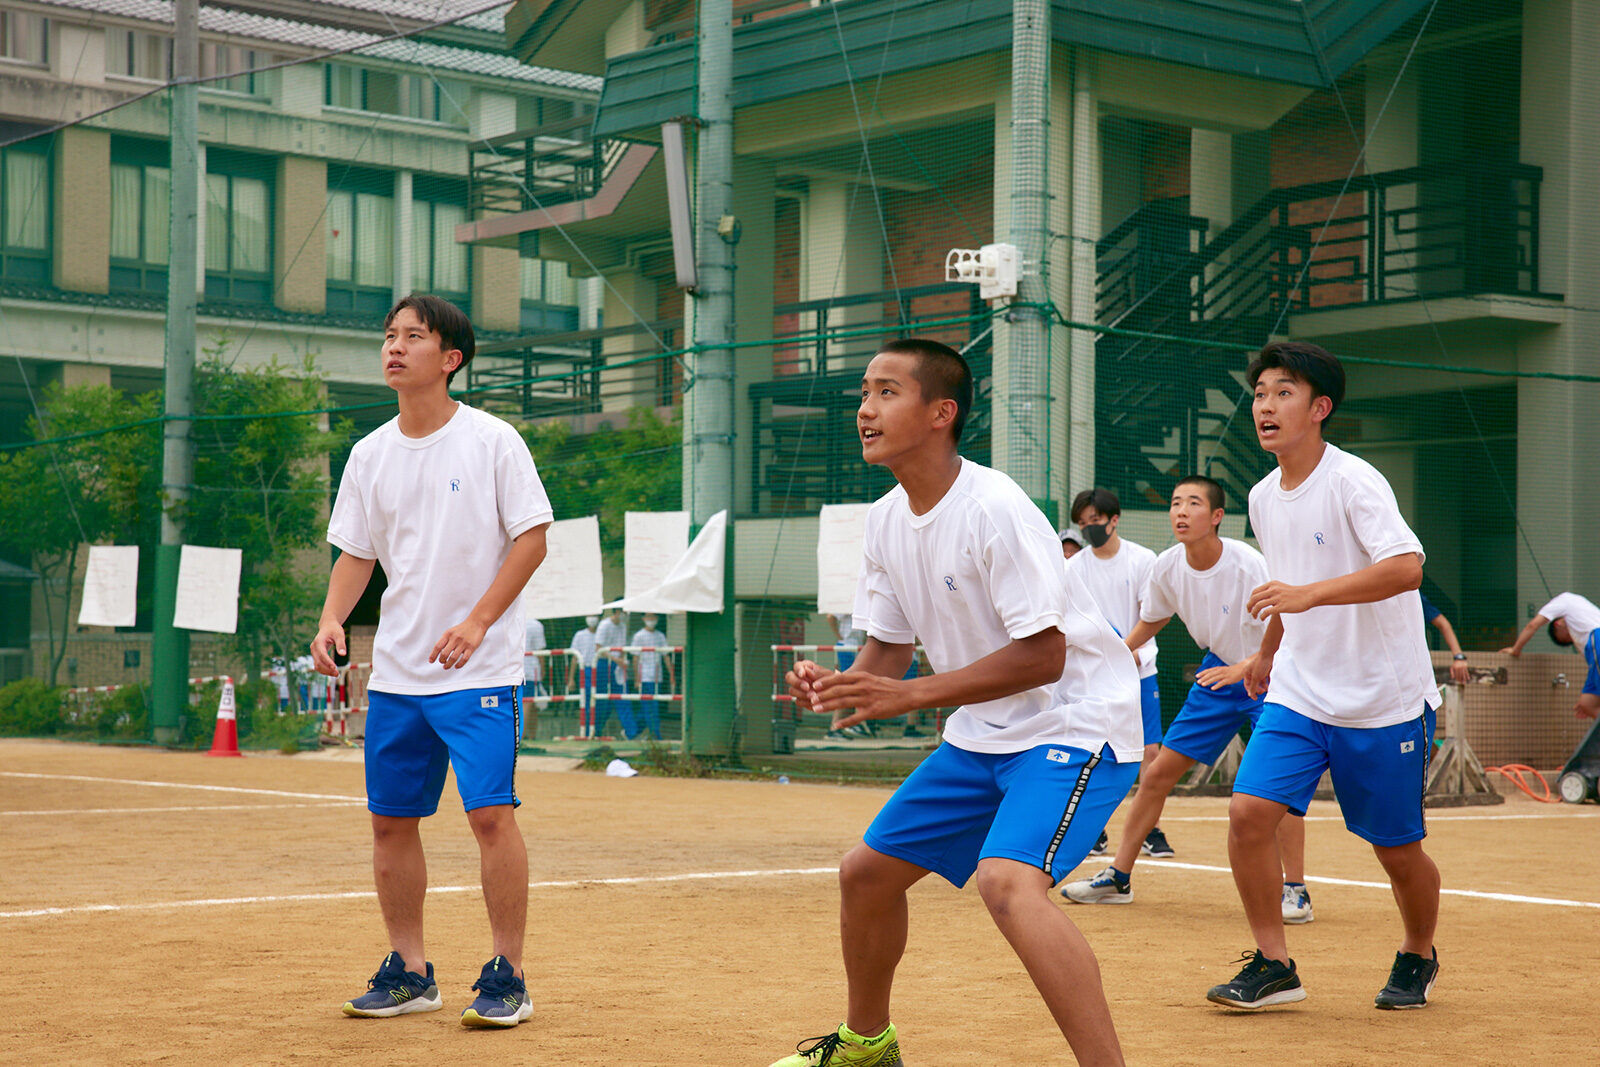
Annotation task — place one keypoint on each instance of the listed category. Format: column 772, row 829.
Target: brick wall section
column 1165, row 154
column 924, row 226
column 82, row 211
column 299, row 237
column 1317, row 142
column 496, row 288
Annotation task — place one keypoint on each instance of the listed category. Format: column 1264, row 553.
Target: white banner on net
column 840, row 531
column 568, row 582
column 111, row 586
column 208, row 589
column 694, row 582
column 655, row 541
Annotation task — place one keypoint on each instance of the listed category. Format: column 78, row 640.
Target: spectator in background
column 583, row 647
column 1071, row 542
column 611, row 672
column 647, row 669
column 845, row 641
column 1458, row 659
column 1573, row 621
column 533, row 640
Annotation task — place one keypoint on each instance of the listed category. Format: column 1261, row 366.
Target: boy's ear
column 1216, row 516
column 1321, row 406
column 452, row 364
column 946, row 414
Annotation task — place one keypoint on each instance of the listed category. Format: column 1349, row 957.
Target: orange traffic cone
column 225, row 742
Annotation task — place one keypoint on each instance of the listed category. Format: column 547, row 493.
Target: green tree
column 59, row 495
column 611, row 471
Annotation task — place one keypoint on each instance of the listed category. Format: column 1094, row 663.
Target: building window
column 238, row 230
column 25, row 214
column 412, row 96
column 141, row 188
column 360, row 246
column 138, row 54
column 25, row 38
column 232, row 60
column 549, row 297
column 439, row 264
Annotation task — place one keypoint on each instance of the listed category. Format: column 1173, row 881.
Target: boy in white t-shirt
column 1573, row 621
column 1205, row 579
column 1115, row 570
column 1043, row 745
column 448, row 500
column 1345, row 668
column 647, row 668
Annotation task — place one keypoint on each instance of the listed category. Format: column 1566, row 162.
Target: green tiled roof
column 1309, row 44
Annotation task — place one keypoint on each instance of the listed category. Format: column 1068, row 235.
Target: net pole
column 169, row 648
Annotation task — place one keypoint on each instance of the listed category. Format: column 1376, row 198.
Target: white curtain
column 217, row 222
column 157, row 213
column 340, row 216
column 127, row 200
column 449, row 258
column 27, row 204
column 250, row 240
column 374, row 251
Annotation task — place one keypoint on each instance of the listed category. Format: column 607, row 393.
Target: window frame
column 148, row 276
column 427, row 192
column 231, row 284
column 347, row 295
column 45, row 29
column 12, row 257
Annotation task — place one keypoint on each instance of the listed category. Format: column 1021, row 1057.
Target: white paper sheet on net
column 111, row 586
column 695, row 582
column 655, row 540
column 568, row 582
column 208, row 589
column 840, row 530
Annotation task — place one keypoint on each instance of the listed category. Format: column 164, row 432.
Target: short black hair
column 1306, row 362
column 941, row 372
column 1213, row 489
column 1550, row 628
column 445, row 319
column 1102, row 500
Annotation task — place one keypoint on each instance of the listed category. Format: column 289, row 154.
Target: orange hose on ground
column 1514, row 773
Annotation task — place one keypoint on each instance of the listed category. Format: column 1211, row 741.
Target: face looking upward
column 413, row 355
column 1193, row 518
column 1286, row 411
column 895, row 419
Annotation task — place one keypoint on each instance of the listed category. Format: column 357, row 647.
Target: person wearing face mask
column 647, row 668
column 583, row 646
column 1115, row 571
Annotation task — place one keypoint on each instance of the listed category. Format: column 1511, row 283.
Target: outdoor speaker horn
column 680, row 215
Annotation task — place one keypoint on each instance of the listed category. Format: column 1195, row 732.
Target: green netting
column 1406, row 188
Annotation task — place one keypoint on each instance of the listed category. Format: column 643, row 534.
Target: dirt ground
column 162, row 908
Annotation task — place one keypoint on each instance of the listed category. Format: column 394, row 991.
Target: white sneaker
column 1296, row 905
column 1101, row 889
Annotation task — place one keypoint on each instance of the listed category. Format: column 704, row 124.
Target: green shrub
column 29, row 708
column 124, row 714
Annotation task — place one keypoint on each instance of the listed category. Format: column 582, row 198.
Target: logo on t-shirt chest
column 455, row 487
column 1319, row 538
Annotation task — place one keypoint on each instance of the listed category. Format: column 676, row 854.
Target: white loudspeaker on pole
column 680, row 214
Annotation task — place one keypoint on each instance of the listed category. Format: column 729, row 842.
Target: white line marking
column 1511, row 898
column 192, row 807
column 181, row 785
column 367, row 894
column 1554, row 813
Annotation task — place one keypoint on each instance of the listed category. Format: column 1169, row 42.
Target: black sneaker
column 502, row 997
column 1410, row 981
column 395, row 991
column 1155, row 845
column 1261, row 983
column 1101, row 845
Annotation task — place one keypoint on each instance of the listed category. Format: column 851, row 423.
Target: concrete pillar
column 72, row 375
column 78, row 54
column 299, row 238
column 1228, row 174
column 628, row 33
column 297, row 90
column 1392, row 144
column 496, row 288
column 842, row 254
column 630, row 298
column 1557, row 464
column 404, row 254
column 82, row 210
column 754, row 205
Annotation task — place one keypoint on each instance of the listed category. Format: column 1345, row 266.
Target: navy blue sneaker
column 1410, row 981
column 1261, row 983
column 395, row 991
column 502, row 997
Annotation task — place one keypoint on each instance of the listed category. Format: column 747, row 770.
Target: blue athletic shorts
column 1044, row 806
column 1210, row 717
column 1150, row 705
column 1379, row 775
column 412, row 740
column 1591, row 652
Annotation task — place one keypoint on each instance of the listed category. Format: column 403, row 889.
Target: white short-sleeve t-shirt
column 979, row 569
column 1362, row 665
column 649, row 662
column 1581, row 615
column 584, row 643
column 1211, row 602
column 439, row 513
column 1116, row 584
column 533, row 641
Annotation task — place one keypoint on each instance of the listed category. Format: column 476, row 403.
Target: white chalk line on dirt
column 191, row 807
column 368, row 894
column 183, row 785
column 1476, row 894
column 1564, row 812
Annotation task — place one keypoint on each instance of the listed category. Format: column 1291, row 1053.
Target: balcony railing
column 552, row 164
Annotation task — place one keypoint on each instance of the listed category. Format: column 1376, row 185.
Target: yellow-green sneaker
column 846, row 1048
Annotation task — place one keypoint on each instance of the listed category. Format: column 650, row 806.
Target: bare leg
column 503, row 860
column 1415, row 881
column 1057, row 958
column 400, row 873
column 872, row 931
column 1253, row 855
column 1156, row 780
column 1292, row 848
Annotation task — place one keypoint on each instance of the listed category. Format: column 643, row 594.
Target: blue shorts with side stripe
column 1044, row 807
column 1210, row 717
column 413, row 740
